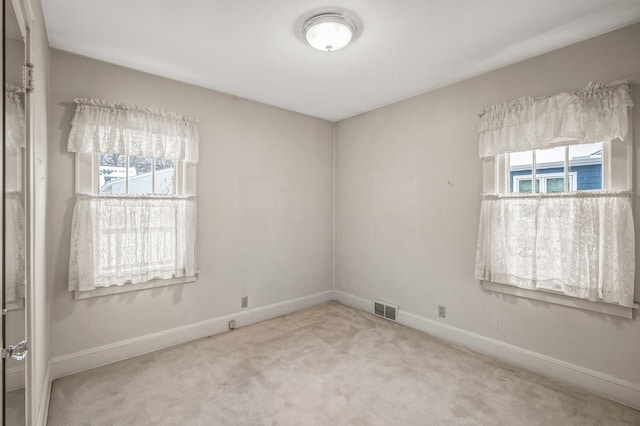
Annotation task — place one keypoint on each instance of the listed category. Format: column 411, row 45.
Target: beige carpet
column 327, row 365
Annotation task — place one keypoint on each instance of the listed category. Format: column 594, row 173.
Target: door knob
column 17, row 352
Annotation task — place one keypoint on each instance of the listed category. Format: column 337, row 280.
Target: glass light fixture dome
column 328, row 31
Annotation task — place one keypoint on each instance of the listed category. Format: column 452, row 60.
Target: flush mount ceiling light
column 329, row 31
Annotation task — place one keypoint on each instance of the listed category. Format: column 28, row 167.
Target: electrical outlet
column 232, row 325
column 442, row 311
column 244, row 301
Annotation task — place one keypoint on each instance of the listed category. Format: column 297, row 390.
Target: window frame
column 178, row 181
column 88, row 177
column 617, row 168
column 87, row 180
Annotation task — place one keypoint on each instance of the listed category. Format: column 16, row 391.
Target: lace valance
column 14, row 121
column 597, row 113
column 115, row 128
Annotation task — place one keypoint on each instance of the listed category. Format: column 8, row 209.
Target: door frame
column 25, row 18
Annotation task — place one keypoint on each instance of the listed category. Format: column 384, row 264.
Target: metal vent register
column 385, row 310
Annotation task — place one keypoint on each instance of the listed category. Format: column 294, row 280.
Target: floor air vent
column 385, row 310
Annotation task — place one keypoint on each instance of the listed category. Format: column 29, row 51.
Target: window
column 120, row 174
column 135, row 213
column 556, row 214
column 560, row 169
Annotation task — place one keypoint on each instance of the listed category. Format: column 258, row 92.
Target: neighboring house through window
column 581, row 165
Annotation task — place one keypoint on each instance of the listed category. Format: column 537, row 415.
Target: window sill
column 125, row 288
column 559, row 299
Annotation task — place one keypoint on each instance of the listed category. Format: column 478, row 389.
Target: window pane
column 555, row 184
column 520, row 166
column 141, row 180
column 112, row 172
column 585, row 163
column 525, row 185
column 550, row 168
column 165, row 176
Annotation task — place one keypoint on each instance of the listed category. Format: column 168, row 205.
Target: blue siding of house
column 589, row 176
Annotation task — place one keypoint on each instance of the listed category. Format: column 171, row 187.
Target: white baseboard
column 95, row 357
column 14, row 378
column 620, row 390
column 45, row 397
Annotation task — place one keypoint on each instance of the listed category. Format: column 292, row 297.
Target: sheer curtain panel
column 119, row 240
column 14, row 246
column 579, row 244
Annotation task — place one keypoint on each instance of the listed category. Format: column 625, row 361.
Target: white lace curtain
column 598, row 113
column 115, row 128
column 579, row 244
column 14, row 273
column 117, row 240
column 14, row 118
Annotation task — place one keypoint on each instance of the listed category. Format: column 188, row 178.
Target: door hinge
column 28, row 77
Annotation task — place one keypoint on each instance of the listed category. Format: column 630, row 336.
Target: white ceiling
column 252, row 48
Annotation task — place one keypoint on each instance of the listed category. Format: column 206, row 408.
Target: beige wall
column 408, row 185
column 265, row 203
